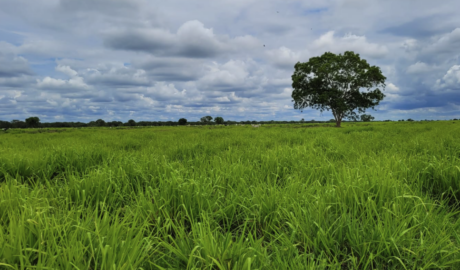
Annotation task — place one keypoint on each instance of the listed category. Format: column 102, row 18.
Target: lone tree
column 219, row 120
column 206, row 119
column 131, row 122
column 100, row 122
column 33, row 121
column 343, row 84
column 182, row 121
column 367, row 117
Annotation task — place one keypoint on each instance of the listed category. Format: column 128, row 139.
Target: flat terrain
column 365, row 196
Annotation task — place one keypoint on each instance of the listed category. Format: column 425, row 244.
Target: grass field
column 374, row 196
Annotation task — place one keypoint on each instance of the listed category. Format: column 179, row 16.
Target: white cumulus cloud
column 451, row 80
column 349, row 42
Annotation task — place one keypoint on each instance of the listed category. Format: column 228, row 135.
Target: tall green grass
column 379, row 196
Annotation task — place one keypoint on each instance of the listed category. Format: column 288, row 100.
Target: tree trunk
column 337, row 119
column 338, row 122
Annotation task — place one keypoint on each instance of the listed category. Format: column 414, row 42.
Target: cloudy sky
column 81, row 60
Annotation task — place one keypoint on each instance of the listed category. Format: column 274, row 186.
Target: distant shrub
column 131, row 123
column 367, row 118
column 182, row 121
column 206, row 119
column 219, row 120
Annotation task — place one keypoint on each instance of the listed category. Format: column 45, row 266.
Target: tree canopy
column 131, row 122
column 32, row 121
column 100, row 122
column 367, row 117
column 219, row 120
column 206, row 119
column 182, row 121
column 343, row 83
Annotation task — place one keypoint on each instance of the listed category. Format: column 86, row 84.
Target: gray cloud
column 419, row 28
column 119, row 76
column 191, row 40
column 419, row 68
column 110, row 7
column 444, row 47
column 171, row 68
column 16, row 82
column 149, row 40
column 14, row 66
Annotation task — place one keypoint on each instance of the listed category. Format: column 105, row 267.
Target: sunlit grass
column 378, row 196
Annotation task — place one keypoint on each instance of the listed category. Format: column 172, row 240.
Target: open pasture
column 374, row 196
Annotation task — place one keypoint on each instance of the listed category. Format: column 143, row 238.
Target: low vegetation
column 300, row 196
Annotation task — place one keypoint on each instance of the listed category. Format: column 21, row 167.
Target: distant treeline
column 102, row 123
